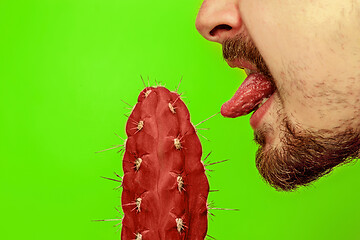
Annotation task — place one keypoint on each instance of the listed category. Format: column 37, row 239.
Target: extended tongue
column 251, row 92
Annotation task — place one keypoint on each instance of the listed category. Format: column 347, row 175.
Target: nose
column 218, row 20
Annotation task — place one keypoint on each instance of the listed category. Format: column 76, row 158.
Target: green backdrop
column 65, row 65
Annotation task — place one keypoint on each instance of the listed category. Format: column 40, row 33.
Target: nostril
column 219, row 28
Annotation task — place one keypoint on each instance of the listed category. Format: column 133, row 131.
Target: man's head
column 310, row 52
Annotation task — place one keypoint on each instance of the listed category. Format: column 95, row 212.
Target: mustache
column 242, row 47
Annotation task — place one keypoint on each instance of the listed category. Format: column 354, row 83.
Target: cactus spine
column 165, row 188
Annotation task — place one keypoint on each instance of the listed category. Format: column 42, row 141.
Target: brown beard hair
column 304, row 157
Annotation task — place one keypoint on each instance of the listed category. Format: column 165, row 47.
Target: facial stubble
column 302, row 156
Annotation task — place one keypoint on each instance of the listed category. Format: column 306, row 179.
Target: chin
column 301, row 157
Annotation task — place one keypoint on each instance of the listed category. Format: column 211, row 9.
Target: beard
column 303, row 156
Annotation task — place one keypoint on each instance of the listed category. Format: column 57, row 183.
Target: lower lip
column 242, row 63
column 258, row 115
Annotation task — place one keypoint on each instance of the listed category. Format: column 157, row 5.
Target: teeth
column 263, row 101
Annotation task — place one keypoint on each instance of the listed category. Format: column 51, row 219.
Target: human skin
column 311, row 48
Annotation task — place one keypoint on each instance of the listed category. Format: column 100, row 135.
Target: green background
column 65, row 65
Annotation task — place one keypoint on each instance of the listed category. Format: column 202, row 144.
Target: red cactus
column 165, row 188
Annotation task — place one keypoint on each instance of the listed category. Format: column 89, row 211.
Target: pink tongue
column 251, row 92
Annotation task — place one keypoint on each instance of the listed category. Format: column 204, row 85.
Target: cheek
column 274, row 28
column 323, row 101
column 281, row 44
column 297, row 45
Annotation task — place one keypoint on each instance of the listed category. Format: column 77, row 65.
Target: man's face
column 310, row 53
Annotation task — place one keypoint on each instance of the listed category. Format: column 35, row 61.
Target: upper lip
column 242, row 63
